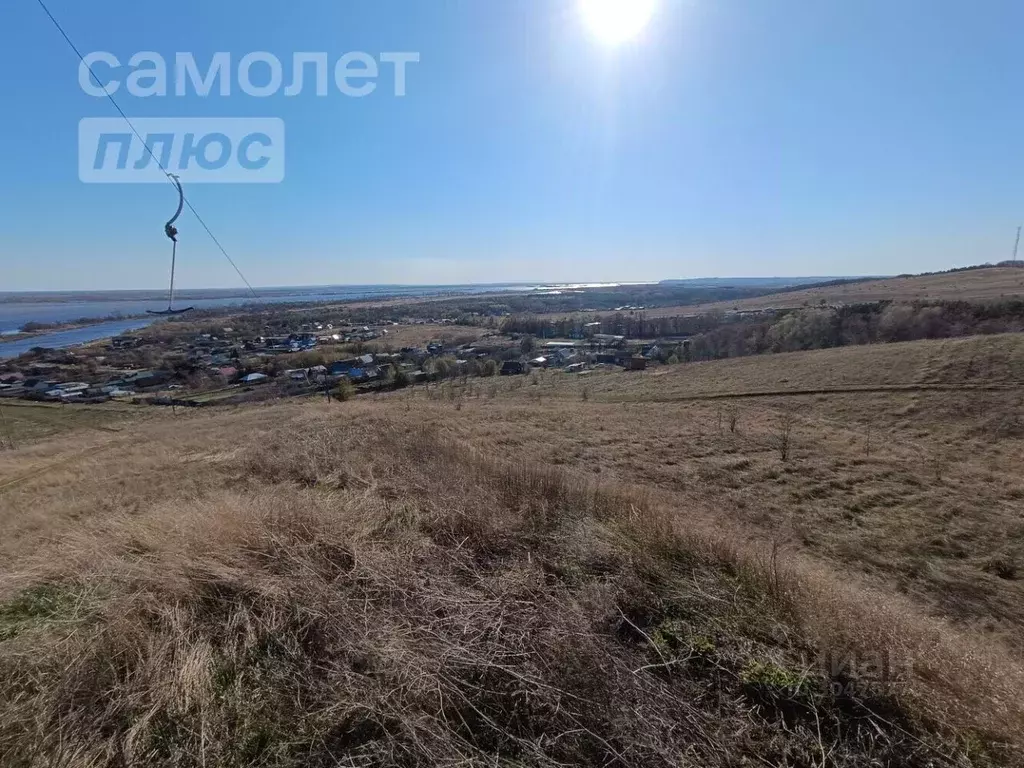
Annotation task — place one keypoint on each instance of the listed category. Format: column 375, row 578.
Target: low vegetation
column 498, row 577
column 901, row 461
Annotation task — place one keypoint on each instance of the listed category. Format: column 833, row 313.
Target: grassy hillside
column 902, row 460
column 968, row 285
column 615, row 569
column 22, row 421
column 973, row 362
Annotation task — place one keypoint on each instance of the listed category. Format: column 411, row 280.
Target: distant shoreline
column 44, row 329
column 76, row 307
column 314, row 292
column 66, row 338
column 369, row 291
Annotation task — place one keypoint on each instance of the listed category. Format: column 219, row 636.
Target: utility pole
column 7, row 429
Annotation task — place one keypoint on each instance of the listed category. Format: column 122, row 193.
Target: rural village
column 225, row 366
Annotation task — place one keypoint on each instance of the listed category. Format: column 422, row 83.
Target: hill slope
column 576, row 571
column 969, row 285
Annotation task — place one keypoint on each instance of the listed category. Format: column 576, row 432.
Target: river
column 72, row 338
column 18, row 309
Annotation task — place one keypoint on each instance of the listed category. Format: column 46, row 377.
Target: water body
column 17, row 309
column 73, row 338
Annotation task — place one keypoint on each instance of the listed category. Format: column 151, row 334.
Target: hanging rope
column 121, row 112
column 172, row 232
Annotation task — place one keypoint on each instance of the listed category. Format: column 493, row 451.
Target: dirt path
column 869, row 390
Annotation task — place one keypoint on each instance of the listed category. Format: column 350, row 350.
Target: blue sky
column 733, row 137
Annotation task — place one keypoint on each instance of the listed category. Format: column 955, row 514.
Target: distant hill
column 986, row 283
column 758, row 282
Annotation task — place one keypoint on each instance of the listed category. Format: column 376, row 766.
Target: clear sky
column 730, row 137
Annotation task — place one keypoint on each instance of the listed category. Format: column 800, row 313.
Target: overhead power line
column 127, row 120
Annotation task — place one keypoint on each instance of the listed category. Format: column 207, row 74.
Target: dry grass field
column 22, row 421
column 903, row 460
column 420, row 335
column 805, row 560
column 971, row 285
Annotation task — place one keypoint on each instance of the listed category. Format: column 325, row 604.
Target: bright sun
column 616, row 21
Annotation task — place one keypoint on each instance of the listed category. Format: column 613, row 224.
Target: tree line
column 716, row 335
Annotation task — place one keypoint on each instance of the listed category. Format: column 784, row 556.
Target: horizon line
column 531, row 283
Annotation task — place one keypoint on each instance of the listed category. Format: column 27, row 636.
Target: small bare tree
column 784, row 430
column 344, row 391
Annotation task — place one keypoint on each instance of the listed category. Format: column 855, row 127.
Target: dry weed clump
column 410, row 601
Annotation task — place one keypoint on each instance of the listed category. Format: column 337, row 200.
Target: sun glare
column 616, row 21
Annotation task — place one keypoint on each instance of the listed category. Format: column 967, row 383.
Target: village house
column 38, row 385
column 359, row 375
column 562, row 356
column 144, row 379
column 513, row 368
column 342, row 367
column 125, row 342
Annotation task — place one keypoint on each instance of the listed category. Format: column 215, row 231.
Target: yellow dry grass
column 904, row 458
column 580, row 570
column 419, row 335
column 971, row 285
column 24, row 421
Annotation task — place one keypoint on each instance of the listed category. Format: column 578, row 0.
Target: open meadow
column 983, row 284
column 899, row 461
column 801, row 559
